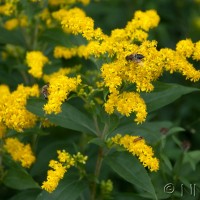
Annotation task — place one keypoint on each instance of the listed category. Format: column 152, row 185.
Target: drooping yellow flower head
column 60, row 167
column 36, row 61
column 59, row 89
column 54, row 176
column 13, row 112
column 20, row 152
column 138, row 147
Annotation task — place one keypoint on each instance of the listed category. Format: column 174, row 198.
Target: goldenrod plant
column 84, row 109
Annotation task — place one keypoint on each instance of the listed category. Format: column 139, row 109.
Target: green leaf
column 192, row 157
column 18, row 178
column 69, row 188
column 98, row 142
column 12, row 37
column 56, row 36
column 129, row 168
column 70, row 117
column 165, row 94
column 166, row 161
column 151, row 131
column 27, row 194
column 127, row 196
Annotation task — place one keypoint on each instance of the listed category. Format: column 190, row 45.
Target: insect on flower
column 135, row 57
column 138, row 139
column 44, row 91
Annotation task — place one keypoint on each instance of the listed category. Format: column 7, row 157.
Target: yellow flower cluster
column 13, row 112
column 185, row 48
column 36, row 61
column 14, row 23
column 20, row 152
column 59, row 89
column 126, row 103
column 63, row 52
column 132, row 41
column 54, row 176
column 138, row 147
column 76, row 22
column 60, row 167
column 7, row 9
column 176, row 61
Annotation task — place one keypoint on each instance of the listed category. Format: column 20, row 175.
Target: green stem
column 97, row 172
column 96, row 125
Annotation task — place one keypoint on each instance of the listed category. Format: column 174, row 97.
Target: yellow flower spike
column 36, row 61
column 54, row 176
column 137, row 146
column 59, row 88
column 66, row 160
column 20, row 152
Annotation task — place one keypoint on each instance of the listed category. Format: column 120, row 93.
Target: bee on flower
column 138, row 139
column 137, row 58
column 44, row 91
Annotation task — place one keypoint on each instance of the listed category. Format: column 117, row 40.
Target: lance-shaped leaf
column 129, row 168
column 165, row 94
column 69, row 188
column 70, row 117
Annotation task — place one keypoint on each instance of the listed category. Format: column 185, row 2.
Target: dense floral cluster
column 60, row 167
column 59, row 88
column 20, row 152
column 138, row 147
column 13, row 112
column 36, row 61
